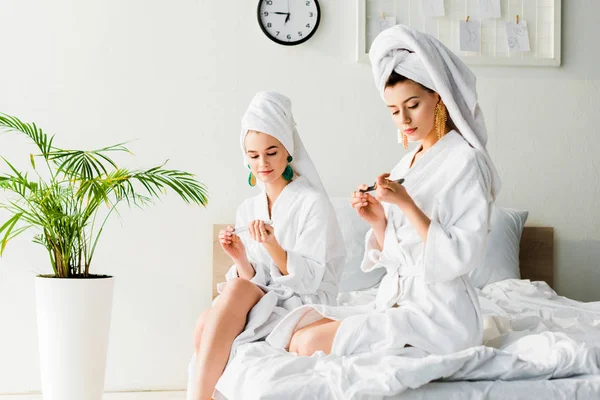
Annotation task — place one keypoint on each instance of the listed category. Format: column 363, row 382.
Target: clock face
column 289, row 22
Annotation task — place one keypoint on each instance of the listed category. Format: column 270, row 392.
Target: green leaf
column 8, row 227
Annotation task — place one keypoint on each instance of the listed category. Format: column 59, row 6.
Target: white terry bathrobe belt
column 398, row 264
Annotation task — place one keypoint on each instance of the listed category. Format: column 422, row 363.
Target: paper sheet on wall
column 381, row 24
column 386, row 22
column 518, row 36
column 433, row 8
column 489, row 8
column 470, row 36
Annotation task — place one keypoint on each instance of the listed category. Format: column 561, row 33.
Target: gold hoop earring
column 402, row 138
column 440, row 118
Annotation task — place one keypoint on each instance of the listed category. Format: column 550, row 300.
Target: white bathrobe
column 426, row 299
column 306, row 227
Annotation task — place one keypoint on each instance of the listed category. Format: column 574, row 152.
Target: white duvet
column 530, row 333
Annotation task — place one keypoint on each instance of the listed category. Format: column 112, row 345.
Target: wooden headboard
column 536, row 257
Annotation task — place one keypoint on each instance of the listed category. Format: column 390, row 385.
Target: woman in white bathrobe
column 297, row 260
column 430, row 231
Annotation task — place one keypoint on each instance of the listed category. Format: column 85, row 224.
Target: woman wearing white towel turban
column 429, row 232
column 298, row 260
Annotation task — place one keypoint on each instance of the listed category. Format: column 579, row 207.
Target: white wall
column 177, row 75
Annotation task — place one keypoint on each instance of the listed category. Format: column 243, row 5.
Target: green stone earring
column 288, row 172
column 251, row 178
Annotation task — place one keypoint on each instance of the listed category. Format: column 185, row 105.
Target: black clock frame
column 282, row 42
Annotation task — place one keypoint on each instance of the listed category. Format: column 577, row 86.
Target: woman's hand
column 232, row 244
column 261, row 232
column 368, row 207
column 392, row 192
column 265, row 235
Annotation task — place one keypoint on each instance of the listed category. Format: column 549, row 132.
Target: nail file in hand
column 245, row 228
column 371, row 188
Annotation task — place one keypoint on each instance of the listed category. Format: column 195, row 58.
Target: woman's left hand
column 391, row 192
column 261, row 232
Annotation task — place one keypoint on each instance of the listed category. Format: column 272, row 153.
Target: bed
column 542, row 346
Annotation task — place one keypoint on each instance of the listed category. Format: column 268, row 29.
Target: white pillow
column 354, row 230
column 502, row 250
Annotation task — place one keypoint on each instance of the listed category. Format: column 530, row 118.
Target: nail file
column 374, row 186
column 245, row 228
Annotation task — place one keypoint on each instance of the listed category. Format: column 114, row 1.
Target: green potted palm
column 66, row 199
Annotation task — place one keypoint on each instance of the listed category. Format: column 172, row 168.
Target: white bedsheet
column 585, row 387
column 531, row 333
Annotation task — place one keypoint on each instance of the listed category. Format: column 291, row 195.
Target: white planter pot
column 73, row 318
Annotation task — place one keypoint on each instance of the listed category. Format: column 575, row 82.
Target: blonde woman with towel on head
column 430, row 231
column 277, row 267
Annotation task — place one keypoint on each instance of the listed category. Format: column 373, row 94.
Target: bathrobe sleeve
column 371, row 248
column 368, row 264
column 456, row 240
column 307, row 260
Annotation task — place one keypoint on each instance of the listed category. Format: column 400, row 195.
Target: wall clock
column 289, row 22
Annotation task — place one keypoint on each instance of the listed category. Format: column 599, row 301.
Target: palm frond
column 44, row 143
column 157, row 179
column 86, row 165
column 17, row 183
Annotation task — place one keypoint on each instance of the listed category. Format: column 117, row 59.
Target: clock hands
column 287, row 14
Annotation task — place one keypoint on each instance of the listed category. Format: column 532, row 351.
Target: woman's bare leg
column 317, row 336
column 198, row 330
column 223, row 323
